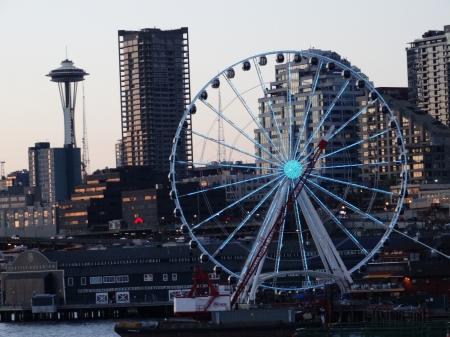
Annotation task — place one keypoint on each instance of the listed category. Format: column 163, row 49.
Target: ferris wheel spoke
column 281, row 236
column 274, row 118
column 346, row 203
column 272, row 214
column 241, row 131
column 301, row 240
column 241, row 182
column 204, row 142
column 227, row 165
column 249, row 215
column 250, row 112
column 308, row 108
column 348, row 183
column 325, row 116
column 336, row 167
column 289, row 98
column 355, row 116
column 233, row 147
column 356, row 143
column 237, row 202
column 355, row 165
column 336, row 220
column 279, row 246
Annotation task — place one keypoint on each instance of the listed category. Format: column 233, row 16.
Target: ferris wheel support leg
column 249, row 293
column 327, row 251
column 256, row 278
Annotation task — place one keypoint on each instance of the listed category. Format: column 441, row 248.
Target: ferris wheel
column 252, row 142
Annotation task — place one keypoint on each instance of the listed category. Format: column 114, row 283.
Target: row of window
column 124, row 279
column 104, row 263
column 100, row 280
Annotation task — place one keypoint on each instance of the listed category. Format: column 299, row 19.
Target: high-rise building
column 428, row 79
column 49, row 172
column 155, row 91
column 302, row 75
column 426, row 143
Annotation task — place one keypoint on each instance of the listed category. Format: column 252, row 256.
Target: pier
column 19, row 313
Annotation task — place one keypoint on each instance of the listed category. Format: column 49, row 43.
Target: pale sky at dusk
column 372, row 35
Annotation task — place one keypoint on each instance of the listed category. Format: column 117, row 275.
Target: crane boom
column 285, row 209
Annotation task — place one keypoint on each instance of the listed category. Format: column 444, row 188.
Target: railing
column 368, row 286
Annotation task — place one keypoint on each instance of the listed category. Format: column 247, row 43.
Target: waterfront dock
column 18, row 313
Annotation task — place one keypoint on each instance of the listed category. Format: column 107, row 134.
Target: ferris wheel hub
column 293, row 169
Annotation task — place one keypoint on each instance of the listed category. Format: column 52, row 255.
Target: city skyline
column 219, row 36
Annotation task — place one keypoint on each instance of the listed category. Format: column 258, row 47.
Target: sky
column 371, row 34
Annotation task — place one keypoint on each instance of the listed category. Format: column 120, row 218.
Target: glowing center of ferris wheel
column 293, row 169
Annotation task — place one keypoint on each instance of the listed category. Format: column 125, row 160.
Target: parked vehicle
column 15, row 237
column 383, row 305
column 406, row 307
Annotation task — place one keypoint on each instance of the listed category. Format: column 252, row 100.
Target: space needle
column 65, row 76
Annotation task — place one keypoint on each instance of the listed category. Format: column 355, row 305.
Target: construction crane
column 85, row 158
column 285, row 210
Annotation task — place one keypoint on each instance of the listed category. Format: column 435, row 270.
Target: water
column 104, row 328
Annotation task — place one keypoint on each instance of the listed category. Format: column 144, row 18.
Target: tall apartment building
column 155, row 91
column 50, row 173
column 428, row 78
column 426, row 140
column 330, row 84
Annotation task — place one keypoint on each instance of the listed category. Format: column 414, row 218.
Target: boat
column 178, row 328
column 214, row 304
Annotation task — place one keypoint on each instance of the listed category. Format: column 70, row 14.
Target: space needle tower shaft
column 67, row 76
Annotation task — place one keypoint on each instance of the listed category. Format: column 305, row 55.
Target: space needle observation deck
column 65, row 76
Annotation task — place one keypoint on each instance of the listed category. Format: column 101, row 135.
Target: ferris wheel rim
column 310, row 54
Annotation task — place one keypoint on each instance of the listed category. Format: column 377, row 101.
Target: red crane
column 285, row 209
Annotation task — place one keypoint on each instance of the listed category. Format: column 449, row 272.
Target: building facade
column 426, row 140
column 54, row 172
column 428, row 78
column 29, row 275
column 155, row 91
column 20, row 216
column 98, row 200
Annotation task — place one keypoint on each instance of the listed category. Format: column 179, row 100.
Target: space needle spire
column 67, row 76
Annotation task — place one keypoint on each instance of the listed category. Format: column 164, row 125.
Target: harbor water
column 105, row 328
column 57, row 329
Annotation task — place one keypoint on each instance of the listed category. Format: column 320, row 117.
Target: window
column 109, row 279
column 70, row 281
column 174, row 277
column 122, row 279
column 148, row 277
column 83, row 281
column 96, row 280
column 165, row 277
